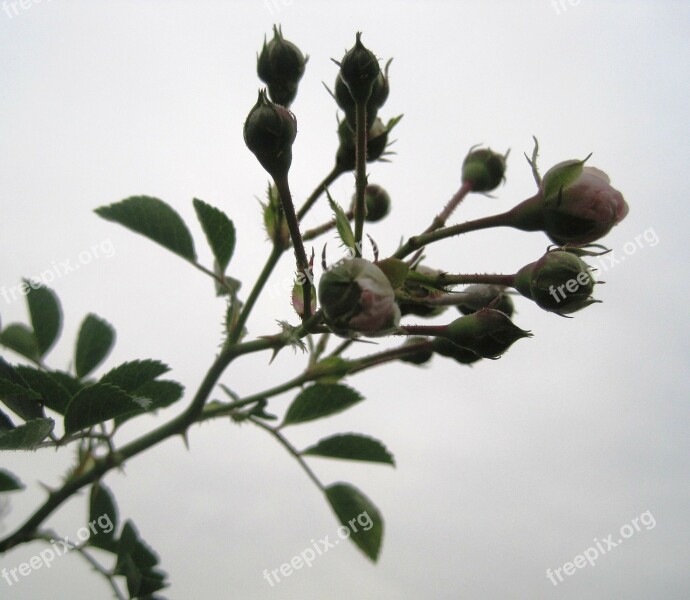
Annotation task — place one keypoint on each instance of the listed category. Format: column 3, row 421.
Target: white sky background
column 503, row 470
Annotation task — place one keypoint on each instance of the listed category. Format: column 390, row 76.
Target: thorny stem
column 360, row 173
column 440, row 219
column 320, row 189
column 297, row 244
column 444, row 279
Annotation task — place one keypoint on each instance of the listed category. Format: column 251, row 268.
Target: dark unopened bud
column 418, row 356
column 560, row 282
column 376, row 144
column 356, row 296
column 448, row 349
column 280, row 66
column 481, row 295
column 484, row 169
column 414, row 294
column 487, row 332
column 378, row 202
column 359, row 70
column 269, row 133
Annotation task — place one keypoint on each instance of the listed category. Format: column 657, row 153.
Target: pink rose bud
column 580, row 206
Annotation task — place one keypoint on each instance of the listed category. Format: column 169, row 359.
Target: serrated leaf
column 320, row 400
column 219, row 230
column 151, row 396
column 46, row 316
column 70, row 383
column 16, row 393
column 102, row 507
column 342, row 223
column 95, row 404
column 351, row 446
column 21, row 339
column 136, row 561
column 54, row 395
column 154, row 219
column 131, row 375
column 359, row 515
column 26, row 436
column 95, row 341
column 395, row 271
column 8, row 482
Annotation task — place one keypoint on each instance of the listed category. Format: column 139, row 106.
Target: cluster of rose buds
column 574, row 205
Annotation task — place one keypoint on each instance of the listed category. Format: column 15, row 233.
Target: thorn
column 185, row 439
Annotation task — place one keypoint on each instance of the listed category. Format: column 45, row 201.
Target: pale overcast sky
column 503, row 470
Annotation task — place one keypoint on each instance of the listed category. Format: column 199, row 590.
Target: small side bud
column 376, row 144
column 448, row 349
column 269, row 132
column 487, row 332
column 484, row 169
column 378, row 203
column 274, row 219
column 419, row 356
column 482, row 295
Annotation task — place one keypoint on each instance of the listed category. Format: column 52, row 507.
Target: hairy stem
column 320, row 189
column 360, row 173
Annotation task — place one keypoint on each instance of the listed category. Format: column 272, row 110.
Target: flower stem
column 360, row 173
column 320, row 189
column 440, row 219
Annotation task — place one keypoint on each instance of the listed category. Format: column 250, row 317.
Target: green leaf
column 54, row 395
column 395, row 270
column 136, row 561
column 154, row 219
column 219, row 230
column 151, row 396
column 8, row 482
column 131, row 375
column 359, row 515
column 16, row 393
column 320, row 400
column 25, row 437
column 21, row 339
column 95, row 341
column 70, row 383
column 46, row 316
column 95, row 404
column 102, row 507
column 351, row 446
column 5, row 422
column 342, row 223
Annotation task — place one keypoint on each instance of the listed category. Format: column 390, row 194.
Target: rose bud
column 376, row 144
column 580, row 209
column 559, row 282
column 280, row 66
column 575, row 205
column 484, row 169
column 359, row 70
column 356, row 296
column 481, row 295
column 378, row 203
column 418, row 356
column 448, row 349
column 416, row 293
column 269, row 133
column 487, row 332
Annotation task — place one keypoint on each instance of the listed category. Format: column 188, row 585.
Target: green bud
column 378, row 203
column 280, row 66
column 448, row 349
column 487, row 332
column 269, row 133
column 484, row 169
column 560, row 282
column 420, row 356
column 376, row 144
column 481, row 295
column 359, row 70
column 357, row 297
